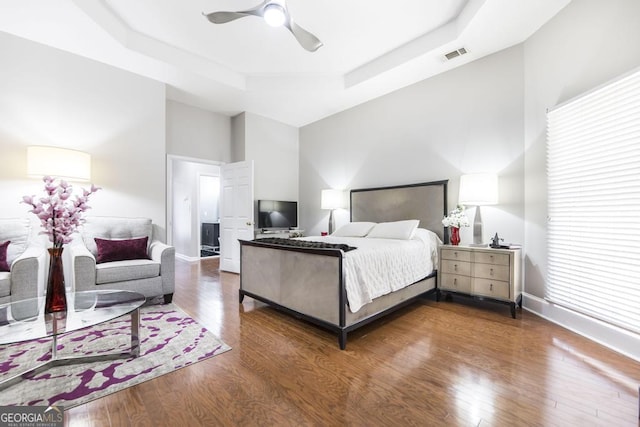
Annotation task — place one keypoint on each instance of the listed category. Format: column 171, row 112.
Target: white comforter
column 381, row 266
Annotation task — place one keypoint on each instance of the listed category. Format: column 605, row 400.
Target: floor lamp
column 331, row 200
column 71, row 165
column 478, row 189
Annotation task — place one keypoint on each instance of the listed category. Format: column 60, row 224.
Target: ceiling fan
column 276, row 14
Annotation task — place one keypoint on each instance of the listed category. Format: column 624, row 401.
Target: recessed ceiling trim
column 292, row 83
column 422, row 45
column 89, row 28
column 405, row 53
column 131, row 39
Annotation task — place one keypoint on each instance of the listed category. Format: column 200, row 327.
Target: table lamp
column 478, row 189
column 332, row 199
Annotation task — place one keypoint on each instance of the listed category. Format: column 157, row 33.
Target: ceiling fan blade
column 224, row 17
column 304, row 37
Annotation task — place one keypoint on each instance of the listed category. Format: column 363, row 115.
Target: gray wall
column 197, row 133
column 467, row 120
column 273, row 146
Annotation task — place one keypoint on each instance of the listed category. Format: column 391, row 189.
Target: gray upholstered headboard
column 426, row 202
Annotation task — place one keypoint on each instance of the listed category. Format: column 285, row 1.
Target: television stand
column 280, row 233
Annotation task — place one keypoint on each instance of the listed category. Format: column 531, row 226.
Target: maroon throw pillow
column 121, row 250
column 3, row 256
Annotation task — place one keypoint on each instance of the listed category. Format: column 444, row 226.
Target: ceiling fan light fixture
column 274, row 15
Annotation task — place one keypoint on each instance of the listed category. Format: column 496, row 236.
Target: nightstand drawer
column 486, row 273
column 491, row 271
column 489, row 258
column 456, row 267
column 456, row 283
column 455, row 254
column 491, row 288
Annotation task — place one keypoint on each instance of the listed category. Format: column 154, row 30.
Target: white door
column 236, row 212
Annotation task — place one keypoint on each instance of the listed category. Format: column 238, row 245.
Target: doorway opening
column 209, row 215
column 193, row 207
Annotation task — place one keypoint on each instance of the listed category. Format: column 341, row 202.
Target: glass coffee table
column 25, row 320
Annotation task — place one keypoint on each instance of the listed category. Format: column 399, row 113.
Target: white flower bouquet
column 456, row 218
column 59, row 214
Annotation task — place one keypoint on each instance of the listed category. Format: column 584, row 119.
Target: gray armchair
column 26, row 257
column 151, row 277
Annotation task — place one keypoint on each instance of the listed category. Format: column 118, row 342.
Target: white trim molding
column 188, row 259
column 613, row 337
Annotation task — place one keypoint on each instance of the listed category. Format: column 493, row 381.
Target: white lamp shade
column 57, row 162
column 332, row 199
column 478, row 189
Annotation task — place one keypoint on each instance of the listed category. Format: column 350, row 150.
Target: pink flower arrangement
column 59, row 214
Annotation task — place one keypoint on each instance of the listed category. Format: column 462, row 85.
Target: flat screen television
column 277, row 214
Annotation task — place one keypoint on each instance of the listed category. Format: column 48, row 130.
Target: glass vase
column 55, row 300
column 455, row 236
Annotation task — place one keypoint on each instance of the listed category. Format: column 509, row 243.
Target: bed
column 310, row 283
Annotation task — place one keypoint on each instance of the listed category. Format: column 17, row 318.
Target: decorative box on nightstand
column 484, row 273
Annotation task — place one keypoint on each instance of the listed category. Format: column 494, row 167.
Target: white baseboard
column 187, row 258
column 617, row 339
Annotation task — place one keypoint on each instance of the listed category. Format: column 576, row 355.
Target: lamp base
column 331, row 222
column 477, row 230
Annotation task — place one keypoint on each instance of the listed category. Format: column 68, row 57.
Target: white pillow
column 402, row 230
column 354, row 229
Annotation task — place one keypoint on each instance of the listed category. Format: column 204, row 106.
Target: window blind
column 593, row 234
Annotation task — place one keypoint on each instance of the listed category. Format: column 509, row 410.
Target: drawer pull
column 455, row 254
column 455, row 267
column 491, row 287
column 455, row 281
column 491, row 256
column 491, row 272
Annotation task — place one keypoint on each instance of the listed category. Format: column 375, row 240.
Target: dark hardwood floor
column 433, row 363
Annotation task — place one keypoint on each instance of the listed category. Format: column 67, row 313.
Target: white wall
column 183, row 206
column 490, row 113
column 210, row 198
column 197, row 133
column 50, row 97
column 587, row 44
column 467, row 120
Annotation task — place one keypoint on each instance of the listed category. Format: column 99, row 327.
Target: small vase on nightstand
column 455, row 236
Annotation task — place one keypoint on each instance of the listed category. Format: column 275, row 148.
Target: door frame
column 171, row 159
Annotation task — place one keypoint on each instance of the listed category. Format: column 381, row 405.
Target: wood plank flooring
column 459, row 363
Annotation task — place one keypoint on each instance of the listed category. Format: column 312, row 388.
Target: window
column 593, row 168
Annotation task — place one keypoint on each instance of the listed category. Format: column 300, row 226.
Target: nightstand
column 483, row 273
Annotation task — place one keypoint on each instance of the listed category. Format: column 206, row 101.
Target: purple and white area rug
column 169, row 340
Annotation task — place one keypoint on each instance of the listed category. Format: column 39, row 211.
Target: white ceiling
column 371, row 47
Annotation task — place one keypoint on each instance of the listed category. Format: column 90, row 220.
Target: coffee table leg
column 54, row 347
column 135, row 333
column 68, row 360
